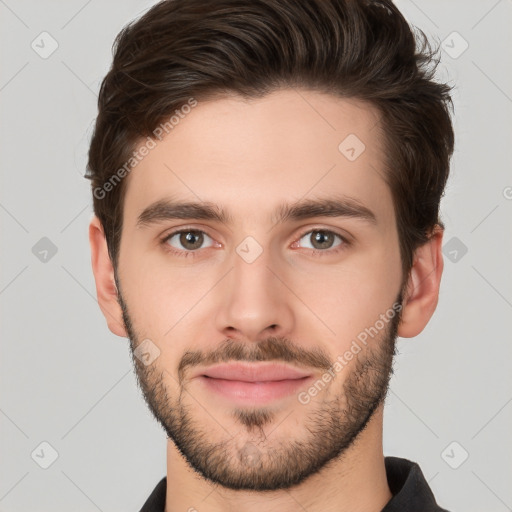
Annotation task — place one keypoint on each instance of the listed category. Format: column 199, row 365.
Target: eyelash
column 314, row 252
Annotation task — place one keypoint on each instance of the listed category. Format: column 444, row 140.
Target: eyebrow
column 167, row 209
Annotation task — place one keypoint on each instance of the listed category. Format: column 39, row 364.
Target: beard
column 249, row 460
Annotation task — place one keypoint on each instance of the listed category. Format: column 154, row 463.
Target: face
column 285, row 254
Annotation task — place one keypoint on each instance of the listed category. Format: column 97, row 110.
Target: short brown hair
column 363, row 49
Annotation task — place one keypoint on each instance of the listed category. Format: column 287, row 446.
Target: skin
column 290, row 304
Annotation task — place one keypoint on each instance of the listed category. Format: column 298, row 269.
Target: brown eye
column 188, row 240
column 320, row 239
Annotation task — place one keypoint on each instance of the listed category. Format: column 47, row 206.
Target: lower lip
column 254, row 392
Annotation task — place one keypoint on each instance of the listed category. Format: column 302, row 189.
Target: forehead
column 249, row 156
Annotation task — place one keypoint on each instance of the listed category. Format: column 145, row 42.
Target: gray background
column 67, row 381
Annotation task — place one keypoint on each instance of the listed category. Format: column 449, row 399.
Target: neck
column 355, row 482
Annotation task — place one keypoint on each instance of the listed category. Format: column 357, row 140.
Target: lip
column 253, row 383
column 258, row 372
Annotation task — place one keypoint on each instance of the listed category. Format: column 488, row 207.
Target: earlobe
column 423, row 285
column 103, row 271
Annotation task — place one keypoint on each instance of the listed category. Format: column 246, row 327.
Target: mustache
column 271, row 349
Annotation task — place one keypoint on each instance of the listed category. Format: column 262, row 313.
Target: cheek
column 349, row 297
column 159, row 290
column 164, row 300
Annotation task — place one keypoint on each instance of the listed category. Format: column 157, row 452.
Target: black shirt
column 410, row 490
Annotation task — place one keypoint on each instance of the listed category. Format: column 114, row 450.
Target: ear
column 422, row 293
column 106, row 289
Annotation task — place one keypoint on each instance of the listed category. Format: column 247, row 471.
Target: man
column 266, row 179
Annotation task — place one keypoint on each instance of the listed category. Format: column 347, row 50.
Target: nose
column 254, row 301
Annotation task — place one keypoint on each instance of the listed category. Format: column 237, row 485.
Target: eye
column 187, row 239
column 321, row 240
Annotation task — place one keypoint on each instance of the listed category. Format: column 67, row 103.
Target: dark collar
column 410, row 490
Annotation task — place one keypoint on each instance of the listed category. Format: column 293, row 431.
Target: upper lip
column 259, row 372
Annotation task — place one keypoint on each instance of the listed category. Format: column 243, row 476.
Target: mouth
column 253, row 383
